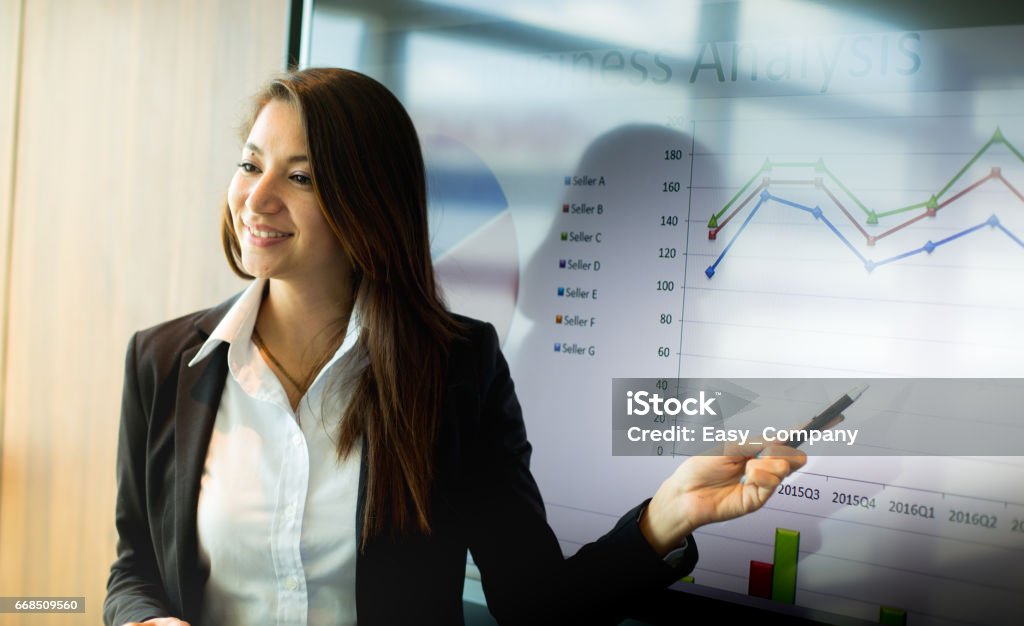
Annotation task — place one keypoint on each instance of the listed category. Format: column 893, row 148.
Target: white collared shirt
column 277, row 510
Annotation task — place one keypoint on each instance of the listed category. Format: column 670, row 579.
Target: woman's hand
column 707, row 489
column 159, row 621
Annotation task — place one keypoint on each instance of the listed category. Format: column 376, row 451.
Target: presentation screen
column 789, row 198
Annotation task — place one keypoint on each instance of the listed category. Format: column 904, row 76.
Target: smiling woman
column 274, row 209
column 335, row 424
column 279, row 228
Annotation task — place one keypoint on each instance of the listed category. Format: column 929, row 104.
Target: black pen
column 822, row 419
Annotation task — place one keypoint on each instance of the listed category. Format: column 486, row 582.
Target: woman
column 326, row 446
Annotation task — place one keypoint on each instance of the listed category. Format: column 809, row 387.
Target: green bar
column 686, row 579
column 892, row 616
column 787, row 550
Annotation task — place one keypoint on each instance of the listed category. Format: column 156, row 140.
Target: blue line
column 899, row 256
column 929, row 247
column 1010, row 235
column 843, row 239
column 711, row 270
column 961, row 234
column 936, row 244
column 795, row 205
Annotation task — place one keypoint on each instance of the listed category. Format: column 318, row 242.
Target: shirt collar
column 238, row 323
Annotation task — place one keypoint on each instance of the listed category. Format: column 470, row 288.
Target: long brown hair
column 368, row 174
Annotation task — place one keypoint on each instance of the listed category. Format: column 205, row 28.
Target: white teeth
column 266, row 234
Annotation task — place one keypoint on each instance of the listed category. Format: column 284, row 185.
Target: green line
column 847, row 191
column 977, row 155
column 919, row 205
column 1013, row 150
column 892, row 616
column 787, row 551
column 819, row 165
column 714, row 218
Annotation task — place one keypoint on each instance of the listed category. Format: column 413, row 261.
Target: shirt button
column 291, row 583
column 289, row 511
column 296, row 440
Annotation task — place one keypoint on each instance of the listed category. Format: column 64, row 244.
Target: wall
column 10, row 42
column 124, row 144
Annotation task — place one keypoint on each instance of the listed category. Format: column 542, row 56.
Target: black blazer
column 484, row 499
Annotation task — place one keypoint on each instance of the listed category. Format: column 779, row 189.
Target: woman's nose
column 263, row 196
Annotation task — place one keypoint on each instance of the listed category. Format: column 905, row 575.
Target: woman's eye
column 302, row 179
column 247, row 167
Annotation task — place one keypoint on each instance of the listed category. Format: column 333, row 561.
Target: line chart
column 821, row 179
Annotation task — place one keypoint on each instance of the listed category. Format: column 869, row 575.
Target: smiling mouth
column 266, row 234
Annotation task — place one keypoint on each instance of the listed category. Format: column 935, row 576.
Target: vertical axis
column 686, row 253
column 686, row 257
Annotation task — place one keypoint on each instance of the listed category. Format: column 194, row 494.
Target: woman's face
column 275, row 212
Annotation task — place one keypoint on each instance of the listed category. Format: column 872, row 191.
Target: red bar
column 760, row 584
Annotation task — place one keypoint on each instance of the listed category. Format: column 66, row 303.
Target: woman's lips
column 262, row 237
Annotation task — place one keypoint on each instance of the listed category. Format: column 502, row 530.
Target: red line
column 946, row 202
column 741, row 205
column 962, row 192
column 902, row 226
column 1011, row 187
column 839, row 204
column 892, row 230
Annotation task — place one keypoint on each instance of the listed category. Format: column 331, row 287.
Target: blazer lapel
column 197, row 399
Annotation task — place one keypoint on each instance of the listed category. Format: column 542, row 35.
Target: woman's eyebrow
column 298, row 158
